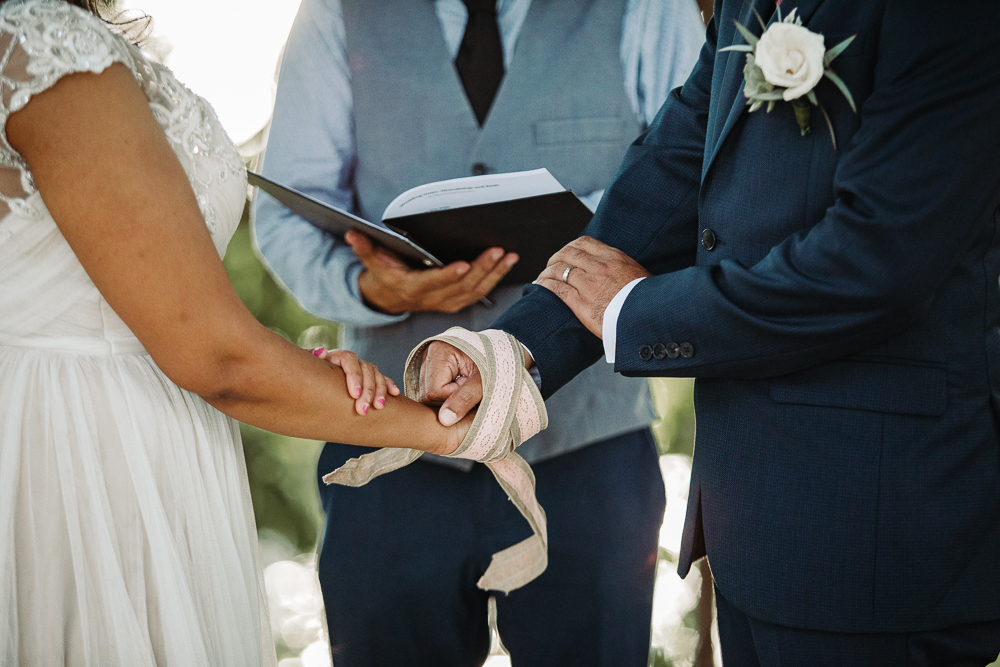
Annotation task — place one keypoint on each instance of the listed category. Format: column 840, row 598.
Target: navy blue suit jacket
column 844, row 327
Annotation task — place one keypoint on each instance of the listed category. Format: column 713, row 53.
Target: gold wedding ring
column 565, row 276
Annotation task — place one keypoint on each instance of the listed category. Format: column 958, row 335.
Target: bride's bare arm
column 119, row 195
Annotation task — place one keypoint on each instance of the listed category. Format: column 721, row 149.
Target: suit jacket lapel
column 731, row 90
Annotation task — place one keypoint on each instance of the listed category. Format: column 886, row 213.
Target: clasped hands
column 390, row 286
column 586, row 275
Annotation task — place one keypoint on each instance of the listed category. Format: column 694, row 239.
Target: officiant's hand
column 597, row 273
column 449, row 378
column 389, row 285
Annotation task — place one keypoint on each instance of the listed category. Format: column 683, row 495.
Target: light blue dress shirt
column 311, row 144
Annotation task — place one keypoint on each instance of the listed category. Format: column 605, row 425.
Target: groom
column 840, row 310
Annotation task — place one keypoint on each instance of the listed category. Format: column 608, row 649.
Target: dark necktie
column 480, row 57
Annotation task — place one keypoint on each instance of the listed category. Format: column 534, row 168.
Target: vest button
column 708, row 240
column 645, row 353
column 479, row 168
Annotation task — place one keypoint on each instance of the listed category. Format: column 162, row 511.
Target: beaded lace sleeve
column 40, row 42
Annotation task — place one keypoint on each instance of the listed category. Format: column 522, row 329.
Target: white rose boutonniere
column 786, row 63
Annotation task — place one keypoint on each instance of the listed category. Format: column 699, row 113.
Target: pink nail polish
column 381, row 402
column 357, row 392
column 364, row 408
column 319, row 351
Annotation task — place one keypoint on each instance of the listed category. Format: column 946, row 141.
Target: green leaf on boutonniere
column 751, row 38
column 775, row 95
column 756, row 88
column 754, row 78
column 836, row 51
column 837, row 81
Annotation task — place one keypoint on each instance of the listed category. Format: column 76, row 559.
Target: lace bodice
column 43, row 40
column 41, row 280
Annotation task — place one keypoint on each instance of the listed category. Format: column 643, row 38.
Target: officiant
column 375, row 97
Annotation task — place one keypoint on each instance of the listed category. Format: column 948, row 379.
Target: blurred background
column 227, row 51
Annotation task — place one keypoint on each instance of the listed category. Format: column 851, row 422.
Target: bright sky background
column 226, row 51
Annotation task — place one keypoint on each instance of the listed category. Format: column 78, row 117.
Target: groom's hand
column 598, row 273
column 449, row 378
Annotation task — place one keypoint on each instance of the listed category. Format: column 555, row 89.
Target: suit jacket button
column 479, row 168
column 708, row 240
column 645, row 353
column 687, row 350
column 673, row 350
column 659, row 351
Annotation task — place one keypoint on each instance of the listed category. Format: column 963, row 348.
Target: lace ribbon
column 511, row 412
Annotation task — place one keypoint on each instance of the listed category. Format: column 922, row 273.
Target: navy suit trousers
column 402, row 555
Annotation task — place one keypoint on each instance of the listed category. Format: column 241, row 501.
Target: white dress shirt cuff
column 609, row 326
column 533, row 371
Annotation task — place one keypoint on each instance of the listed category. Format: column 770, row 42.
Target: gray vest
column 562, row 105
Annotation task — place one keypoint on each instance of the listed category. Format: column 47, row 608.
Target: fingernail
column 511, row 261
column 357, row 392
column 381, row 402
column 364, row 408
column 318, row 352
column 463, row 269
column 497, row 254
column 447, row 417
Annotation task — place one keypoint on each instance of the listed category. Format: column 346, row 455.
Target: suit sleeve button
column 708, row 240
column 659, row 351
column 673, row 350
column 645, row 353
column 687, row 350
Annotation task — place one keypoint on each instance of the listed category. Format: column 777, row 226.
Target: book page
column 472, row 190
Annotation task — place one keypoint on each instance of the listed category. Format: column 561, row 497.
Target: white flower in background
column 791, row 56
column 296, row 606
column 786, row 63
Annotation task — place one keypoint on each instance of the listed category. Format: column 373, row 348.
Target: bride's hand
column 365, row 383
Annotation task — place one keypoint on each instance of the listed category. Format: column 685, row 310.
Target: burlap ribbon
column 511, row 412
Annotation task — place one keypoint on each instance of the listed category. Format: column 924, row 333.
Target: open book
column 526, row 212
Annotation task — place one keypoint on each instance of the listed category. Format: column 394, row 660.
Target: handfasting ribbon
column 512, row 411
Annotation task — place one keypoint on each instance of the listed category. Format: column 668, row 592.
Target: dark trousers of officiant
column 438, row 527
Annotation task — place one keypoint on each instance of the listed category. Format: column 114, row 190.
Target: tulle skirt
column 126, row 529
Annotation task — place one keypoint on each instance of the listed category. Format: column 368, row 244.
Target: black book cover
column 533, row 227
column 338, row 221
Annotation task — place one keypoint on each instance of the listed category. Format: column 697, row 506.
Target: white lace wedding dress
column 126, row 531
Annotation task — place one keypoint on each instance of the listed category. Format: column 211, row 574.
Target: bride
column 126, row 530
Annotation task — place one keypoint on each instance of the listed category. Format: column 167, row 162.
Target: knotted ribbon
column 512, row 411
